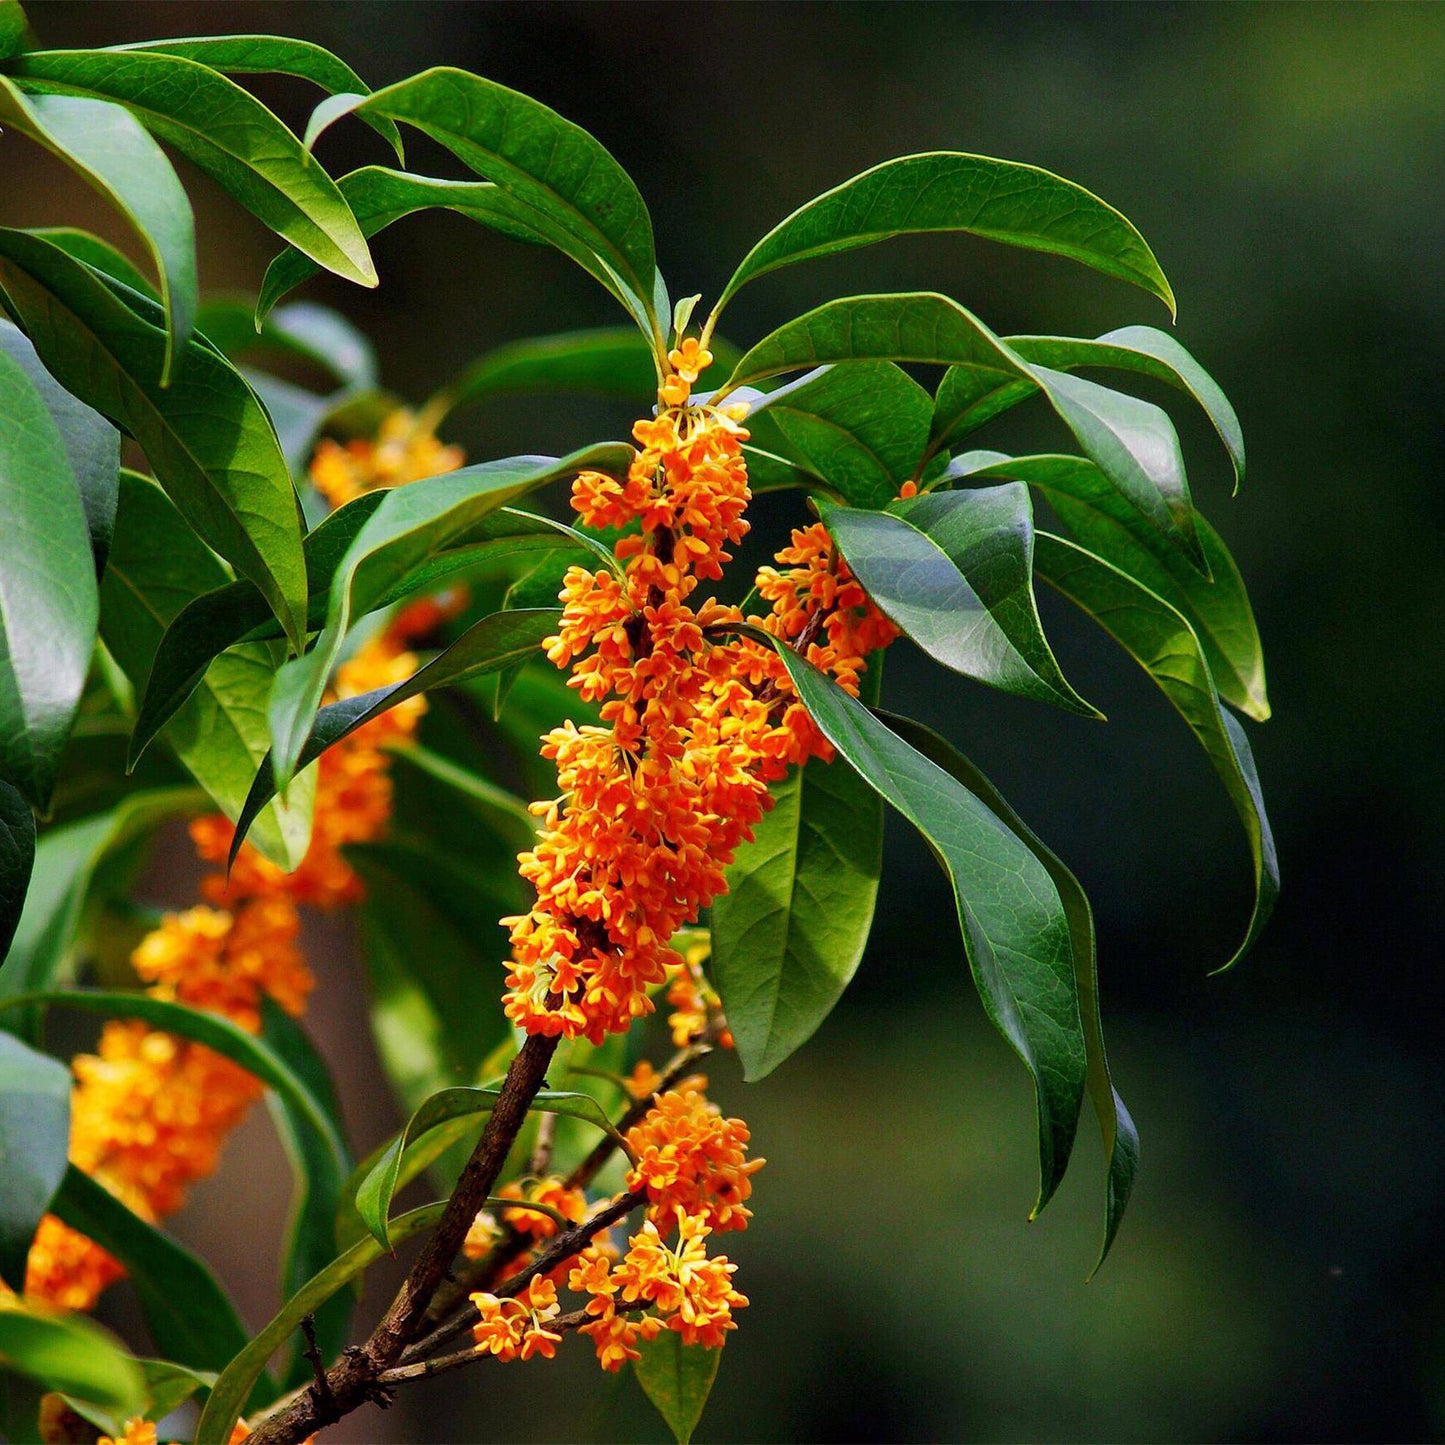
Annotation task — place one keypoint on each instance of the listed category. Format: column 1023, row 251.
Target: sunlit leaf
column 71, row 1354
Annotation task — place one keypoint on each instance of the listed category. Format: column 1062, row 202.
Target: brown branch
column 356, row 1376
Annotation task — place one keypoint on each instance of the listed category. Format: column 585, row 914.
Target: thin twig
column 324, row 1400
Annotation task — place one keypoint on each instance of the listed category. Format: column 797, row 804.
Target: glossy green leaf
column 229, row 1395
column 578, row 195
column 187, row 1310
column 1149, row 352
column 789, row 932
column 206, row 435
column 225, row 131
column 1099, row 519
column 413, row 525
column 311, row 333
column 17, row 859
column 374, row 1194
column 48, row 603
column 109, row 149
column 1020, row 205
column 1165, row 646
column 274, row 55
column 34, row 1142
column 677, row 1378
column 1121, row 1139
column 13, row 28
column 861, row 428
column 490, row 645
column 98, row 255
column 1015, row 929
column 92, row 444
column 218, row 732
column 71, row 1354
column 954, row 571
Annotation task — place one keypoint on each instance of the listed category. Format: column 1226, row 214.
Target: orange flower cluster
column 696, row 720
column 150, row 1112
column 405, row 450
column 142, row 1432
column 514, row 1329
column 486, row 1232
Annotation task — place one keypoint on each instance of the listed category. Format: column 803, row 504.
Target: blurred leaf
column 157, row 566
column 70, row 1354
column 228, row 1397
column 13, row 27
column 1019, row 205
column 109, row 149
column 1121, row 1139
column 789, row 932
column 274, row 55
column 374, row 1194
column 677, row 1378
column 187, row 1311
column 34, row 1142
column 229, row 134
column 1162, row 642
column 1015, row 929
column 206, row 434
column 17, row 859
column 1104, row 523
column 91, row 443
column 311, row 333
column 413, row 525
column 954, row 570
column 579, row 197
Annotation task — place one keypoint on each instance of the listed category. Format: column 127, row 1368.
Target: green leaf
column 1015, row 929
column 579, row 197
column 218, row 732
column 13, row 28
column 231, row 1391
column 1121, row 1139
column 206, row 435
column 48, row 602
column 374, row 1194
column 17, row 859
column 229, row 134
column 188, row 1312
column 861, row 428
column 1149, row 352
column 954, row 570
column 1162, row 642
column 34, row 1142
column 1100, row 520
column 109, row 149
column 677, row 1378
column 789, row 932
column 91, row 444
column 1019, row 205
column 98, row 255
column 274, row 55
column 494, row 643
column 71, row 1354
column 413, row 525
column 312, row 333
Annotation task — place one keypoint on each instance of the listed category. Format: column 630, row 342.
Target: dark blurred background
column 1278, row 1276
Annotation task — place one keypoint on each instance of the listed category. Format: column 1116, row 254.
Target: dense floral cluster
column 405, row 450
column 150, row 1112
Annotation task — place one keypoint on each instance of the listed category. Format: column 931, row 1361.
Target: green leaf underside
column 17, row 860
column 954, row 570
column 1006, row 201
column 34, row 1141
column 1100, row 520
column 110, row 150
column 677, row 1378
column 375, row 1192
column 225, row 131
column 218, row 730
column 92, row 444
column 789, row 932
column 48, row 601
column 490, row 645
column 73, row 1355
column 274, row 55
column 229, row 1395
column 187, row 1310
column 206, row 435
column 1015, row 929
column 1163, row 643
column 1120, row 1138
column 413, row 525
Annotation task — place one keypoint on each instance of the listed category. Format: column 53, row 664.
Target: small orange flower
column 402, row 452
column 136, row 1432
column 512, row 1328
